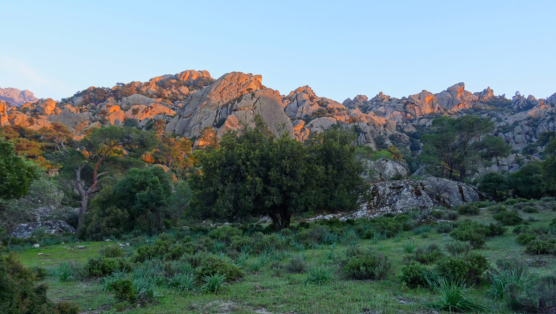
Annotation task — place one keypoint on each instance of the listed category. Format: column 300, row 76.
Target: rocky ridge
column 16, row 97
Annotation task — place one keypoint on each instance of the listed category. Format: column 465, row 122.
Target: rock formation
column 233, row 99
column 16, row 97
column 25, row 231
column 385, row 170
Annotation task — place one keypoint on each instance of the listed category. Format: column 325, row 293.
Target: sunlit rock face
column 237, row 97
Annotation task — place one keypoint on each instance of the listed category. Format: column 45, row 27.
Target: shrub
column 525, row 238
column 457, row 248
column 452, row 215
column 452, row 298
column 468, row 209
column 508, row 218
column 225, row 233
column 541, row 298
column 530, row 210
column 496, row 230
column 112, row 251
column 367, row 266
column 21, row 293
column 497, row 208
column 508, row 275
column 319, row 276
column 211, row 266
column 102, row 266
column 539, row 247
column 123, row 290
column 162, row 248
column 414, row 275
column 444, row 227
column 469, row 268
column 145, row 290
column 470, row 231
column 521, row 229
column 437, row 214
column 389, row 226
column 422, row 230
column 240, row 243
column 296, row 265
column 409, row 247
column 428, row 254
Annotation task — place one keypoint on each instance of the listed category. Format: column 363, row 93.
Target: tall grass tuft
column 509, row 275
column 452, row 297
column 319, row 276
column 214, row 283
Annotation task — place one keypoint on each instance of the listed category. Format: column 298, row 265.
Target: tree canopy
column 16, row 174
column 253, row 173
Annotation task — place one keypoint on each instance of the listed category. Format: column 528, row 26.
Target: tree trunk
column 82, row 209
column 275, row 221
column 285, row 218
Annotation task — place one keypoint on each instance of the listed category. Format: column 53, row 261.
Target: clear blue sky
column 339, row 48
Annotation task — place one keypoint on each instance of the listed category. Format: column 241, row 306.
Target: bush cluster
column 367, row 266
column 102, row 266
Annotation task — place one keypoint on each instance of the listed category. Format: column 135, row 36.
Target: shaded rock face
column 385, row 170
column 16, row 97
column 406, row 195
column 233, row 99
column 50, row 227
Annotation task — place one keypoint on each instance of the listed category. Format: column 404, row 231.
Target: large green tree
column 253, row 173
column 136, row 203
column 108, row 150
column 457, row 147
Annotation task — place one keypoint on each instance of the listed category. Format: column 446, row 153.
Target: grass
column 269, row 287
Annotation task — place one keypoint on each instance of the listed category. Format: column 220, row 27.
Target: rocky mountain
column 16, row 97
column 191, row 101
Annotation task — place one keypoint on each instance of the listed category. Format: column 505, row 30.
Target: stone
column 234, row 94
column 16, row 97
column 50, row 227
column 108, row 240
column 486, row 95
column 385, row 170
column 36, row 246
column 47, row 107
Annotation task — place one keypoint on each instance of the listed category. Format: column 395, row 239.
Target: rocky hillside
column 192, row 101
column 15, row 96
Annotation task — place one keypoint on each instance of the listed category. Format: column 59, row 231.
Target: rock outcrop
column 405, row 195
column 233, row 99
column 50, row 227
column 385, row 170
column 16, row 97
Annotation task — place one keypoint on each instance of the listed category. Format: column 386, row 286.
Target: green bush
column 469, row 268
column 240, row 243
column 508, row 218
column 428, row 254
column 530, row 209
column 225, row 233
column 508, row 275
column 468, row 209
column 368, row 234
column 214, row 283
column 444, row 227
column 163, row 248
column 496, row 230
column 452, row 215
column 521, row 229
column 367, row 266
column 525, row 238
column 497, row 208
column 452, row 298
column 296, row 265
column 540, row 247
column 21, row 293
column 123, row 290
column 541, row 298
column 457, row 248
column 212, row 265
column 102, row 266
column 112, row 251
column 471, row 231
column 414, row 275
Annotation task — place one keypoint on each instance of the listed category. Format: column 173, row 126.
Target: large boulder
column 406, row 195
column 234, row 94
column 49, row 227
column 456, row 98
column 386, row 170
column 47, row 107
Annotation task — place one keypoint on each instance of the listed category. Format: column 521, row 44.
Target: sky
column 339, row 48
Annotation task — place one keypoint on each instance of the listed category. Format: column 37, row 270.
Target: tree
column 494, row 185
column 254, row 174
column 16, row 174
column 528, row 181
column 136, row 203
column 102, row 152
column 457, row 147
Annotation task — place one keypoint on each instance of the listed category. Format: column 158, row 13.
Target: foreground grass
column 270, row 289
